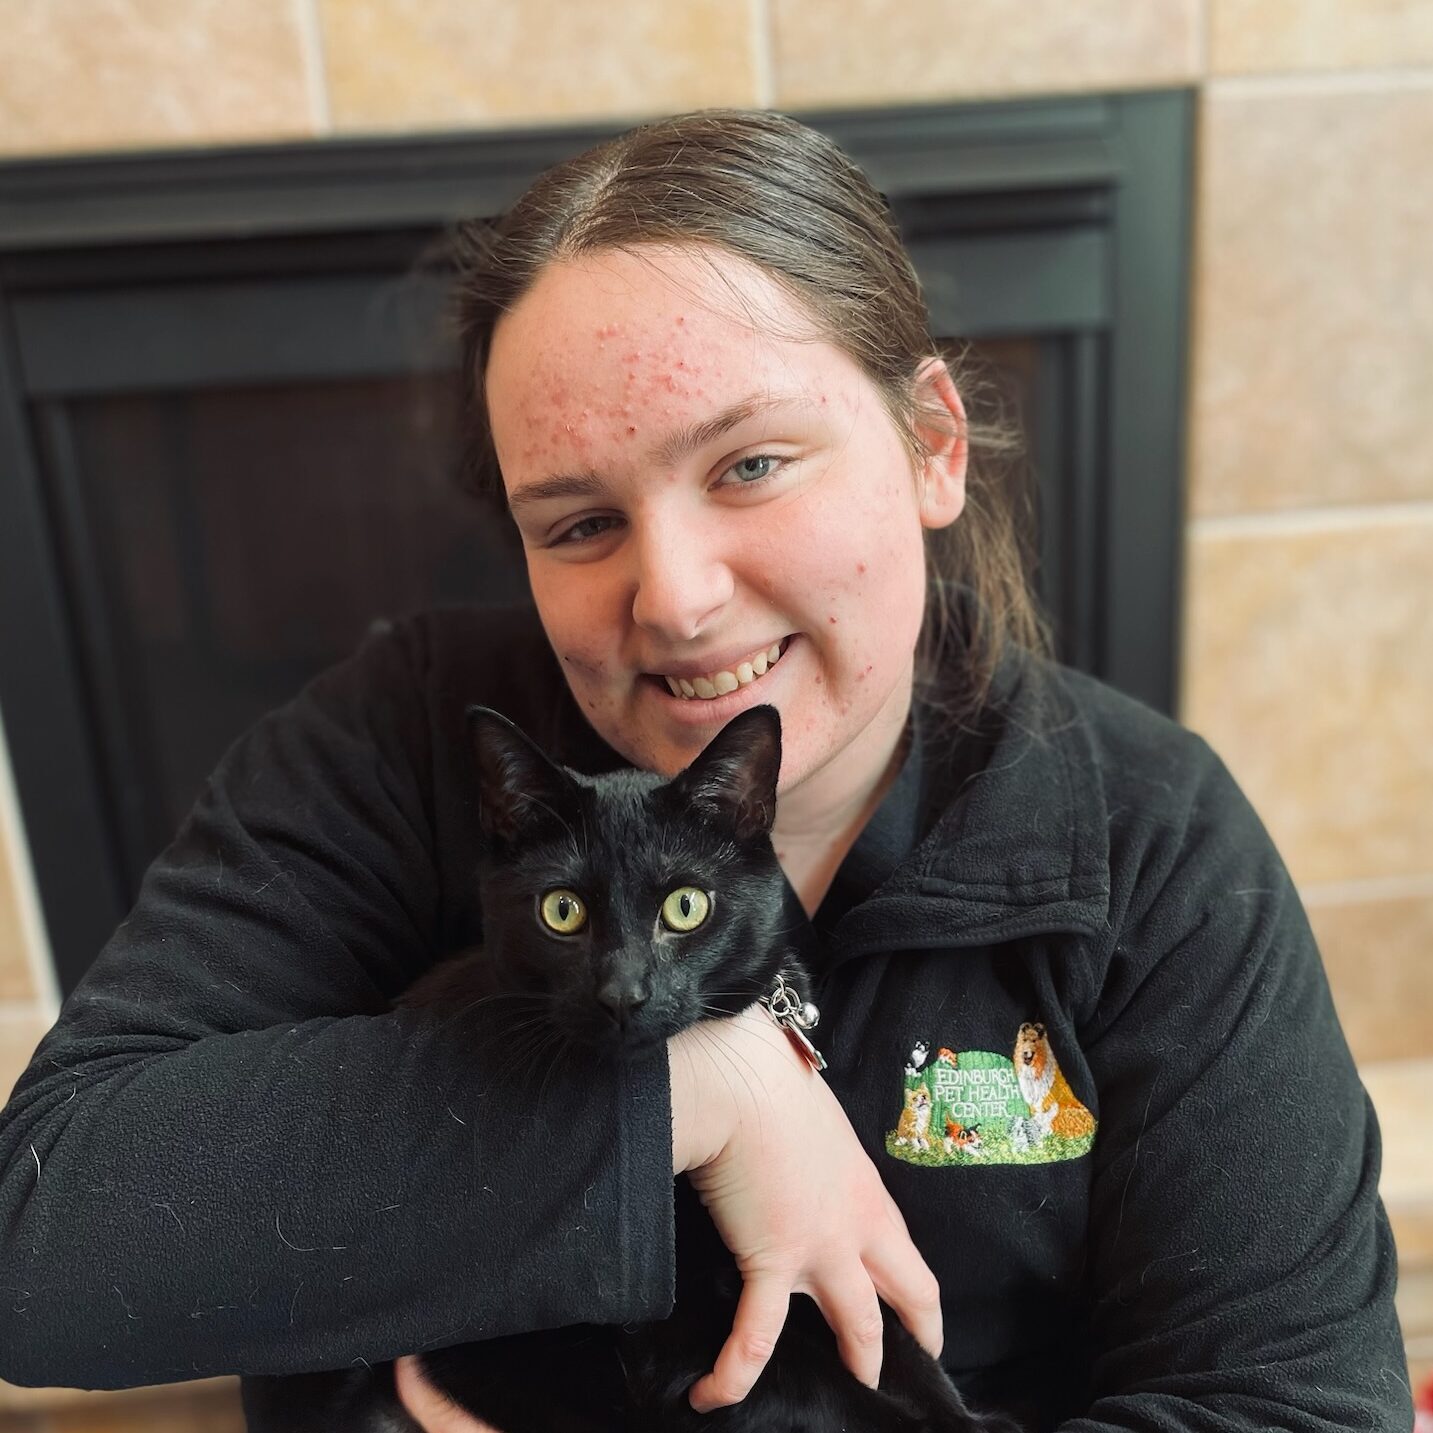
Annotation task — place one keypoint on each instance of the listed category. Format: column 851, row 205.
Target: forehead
column 639, row 336
column 652, row 290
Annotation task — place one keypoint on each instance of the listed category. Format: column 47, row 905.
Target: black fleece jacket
column 1070, row 1002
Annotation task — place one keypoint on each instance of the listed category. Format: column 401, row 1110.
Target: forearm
column 293, row 1198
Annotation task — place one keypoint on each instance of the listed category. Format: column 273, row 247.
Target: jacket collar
column 1021, row 849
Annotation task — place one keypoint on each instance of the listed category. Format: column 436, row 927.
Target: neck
column 819, row 821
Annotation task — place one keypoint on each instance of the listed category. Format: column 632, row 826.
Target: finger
column 760, row 1316
column 854, row 1313
column 904, row 1280
column 433, row 1410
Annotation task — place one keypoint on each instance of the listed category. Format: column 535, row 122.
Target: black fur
column 623, row 842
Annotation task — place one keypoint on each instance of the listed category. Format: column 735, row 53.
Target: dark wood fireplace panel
column 226, row 418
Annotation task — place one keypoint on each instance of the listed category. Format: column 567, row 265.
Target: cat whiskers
column 529, row 1040
column 527, row 997
column 564, row 1048
column 708, row 1032
column 716, row 1034
column 519, row 1044
column 524, row 1042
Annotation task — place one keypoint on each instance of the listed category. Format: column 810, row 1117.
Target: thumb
column 434, row 1411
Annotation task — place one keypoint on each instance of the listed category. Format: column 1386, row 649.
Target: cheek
column 867, row 560
column 572, row 618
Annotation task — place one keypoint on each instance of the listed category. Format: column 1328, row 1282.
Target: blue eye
column 756, row 458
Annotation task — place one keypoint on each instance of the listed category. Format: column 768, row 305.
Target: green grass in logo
column 994, row 1149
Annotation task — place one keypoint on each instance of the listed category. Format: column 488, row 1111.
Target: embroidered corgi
column 977, row 1107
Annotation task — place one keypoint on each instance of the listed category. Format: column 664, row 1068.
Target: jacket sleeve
column 1241, row 1267
column 229, row 1155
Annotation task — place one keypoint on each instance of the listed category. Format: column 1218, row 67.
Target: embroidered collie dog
column 1053, row 1106
column 913, row 1128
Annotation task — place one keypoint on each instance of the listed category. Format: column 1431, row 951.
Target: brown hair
column 778, row 194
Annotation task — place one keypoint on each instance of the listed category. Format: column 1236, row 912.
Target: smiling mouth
column 720, row 684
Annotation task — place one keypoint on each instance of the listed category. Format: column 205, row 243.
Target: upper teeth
column 717, row 684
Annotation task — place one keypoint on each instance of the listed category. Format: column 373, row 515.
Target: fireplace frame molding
column 1089, row 199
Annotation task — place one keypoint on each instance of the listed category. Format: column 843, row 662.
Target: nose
column 682, row 579
column 622, row 996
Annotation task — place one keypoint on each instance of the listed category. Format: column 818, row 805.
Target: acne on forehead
column 651, row 379
column 640, row 376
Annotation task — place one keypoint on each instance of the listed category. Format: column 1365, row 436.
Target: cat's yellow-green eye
column 563, row 912
column 685, row 909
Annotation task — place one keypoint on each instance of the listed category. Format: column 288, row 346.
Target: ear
column 519, row 786
column 942, row 477
column 735, row 776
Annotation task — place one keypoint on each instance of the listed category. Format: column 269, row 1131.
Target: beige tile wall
column 1281, row 36
column 1308, row 651
column 873, row 52
column 406, row 63
column 1314, row 304
column 112, row 74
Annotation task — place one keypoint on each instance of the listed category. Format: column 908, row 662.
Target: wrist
column 708, row 1099
column 700, row 1117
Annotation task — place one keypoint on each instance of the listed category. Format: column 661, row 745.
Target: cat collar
column 785, row 1006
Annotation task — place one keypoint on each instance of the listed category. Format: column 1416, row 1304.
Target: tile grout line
column 21, row 1012
column 1369, row 888
column 1314, row 519
column 315, row 66
column 1276, row 83
column 761, row 48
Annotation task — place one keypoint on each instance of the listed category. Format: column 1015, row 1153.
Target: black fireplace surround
column 226, row 424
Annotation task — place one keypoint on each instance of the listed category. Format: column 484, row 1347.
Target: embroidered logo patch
column 977, row 1107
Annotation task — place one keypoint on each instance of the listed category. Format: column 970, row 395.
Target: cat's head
column 635, row 905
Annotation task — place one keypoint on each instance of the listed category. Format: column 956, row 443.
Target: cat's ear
column 520, row 787
column 735, row 776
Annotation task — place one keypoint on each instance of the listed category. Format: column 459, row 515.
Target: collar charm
column 785, row 1006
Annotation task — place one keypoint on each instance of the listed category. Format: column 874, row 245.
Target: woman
column 1087, row 1097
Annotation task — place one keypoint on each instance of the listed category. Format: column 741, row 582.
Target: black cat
column 590, row 887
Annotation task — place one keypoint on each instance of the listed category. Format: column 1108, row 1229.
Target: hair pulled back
column 782, row 196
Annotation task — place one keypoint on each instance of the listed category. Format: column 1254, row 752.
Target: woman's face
column 651, row 556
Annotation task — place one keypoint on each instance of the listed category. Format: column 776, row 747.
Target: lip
column 715, row 711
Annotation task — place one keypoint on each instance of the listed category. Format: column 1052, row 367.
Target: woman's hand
column 796, row 1199
column 430, row 1409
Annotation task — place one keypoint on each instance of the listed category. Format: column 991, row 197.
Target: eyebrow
column 672, row 448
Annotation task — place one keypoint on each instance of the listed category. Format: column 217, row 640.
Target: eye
column 753, row 482
column 563, row 912
column 575, row 537
column 589, row 529
column 685, row 909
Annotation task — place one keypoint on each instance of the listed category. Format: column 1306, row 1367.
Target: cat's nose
column 622, row 999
